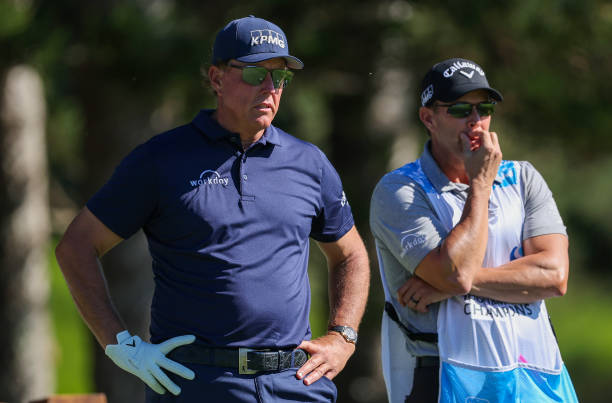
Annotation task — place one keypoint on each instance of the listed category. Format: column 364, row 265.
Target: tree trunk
column 26, row 337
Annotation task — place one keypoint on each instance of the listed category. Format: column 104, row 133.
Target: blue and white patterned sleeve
column 404, row 226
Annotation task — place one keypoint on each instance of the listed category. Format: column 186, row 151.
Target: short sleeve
column 541, row 214
column 334, row 218
column 403, row 221
column 128, row 200
column 405, row 230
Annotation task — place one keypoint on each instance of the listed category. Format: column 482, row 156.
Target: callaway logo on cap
column 451, row 79
column 252, row 40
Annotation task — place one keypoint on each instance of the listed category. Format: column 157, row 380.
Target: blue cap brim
column 292, row 62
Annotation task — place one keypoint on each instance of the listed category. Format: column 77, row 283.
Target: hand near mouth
column 474, row 142
column 482, row 156
column 475, row 137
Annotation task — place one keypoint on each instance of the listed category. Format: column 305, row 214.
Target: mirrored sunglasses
column 464, row 109
column 255, row 75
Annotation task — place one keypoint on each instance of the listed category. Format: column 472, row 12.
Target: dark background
column 116, row 73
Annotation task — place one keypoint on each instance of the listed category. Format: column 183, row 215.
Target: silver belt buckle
column 243, row 362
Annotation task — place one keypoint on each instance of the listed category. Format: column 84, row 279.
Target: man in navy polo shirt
column 228, row 204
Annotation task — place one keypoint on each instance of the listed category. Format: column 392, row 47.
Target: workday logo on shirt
column 410, row 241
column 209, row 178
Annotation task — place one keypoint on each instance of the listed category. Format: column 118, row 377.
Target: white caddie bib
column 486, row 346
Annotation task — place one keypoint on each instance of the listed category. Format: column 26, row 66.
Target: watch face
column 349, row 334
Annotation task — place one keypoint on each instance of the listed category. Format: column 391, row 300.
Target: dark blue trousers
column 214, row 384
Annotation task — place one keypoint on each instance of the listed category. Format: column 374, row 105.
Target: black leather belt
column 247, row 360
column 427, row 361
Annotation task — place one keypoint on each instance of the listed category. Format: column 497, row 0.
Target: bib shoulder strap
column 414, row 336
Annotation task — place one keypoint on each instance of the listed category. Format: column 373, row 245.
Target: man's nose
column 473, row 117
column 268, row 83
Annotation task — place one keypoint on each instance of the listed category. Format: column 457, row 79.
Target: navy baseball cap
column 252, row 40
column 453, row 78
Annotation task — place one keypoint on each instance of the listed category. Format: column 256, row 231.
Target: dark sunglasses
column 255, row 75
column 464, row 109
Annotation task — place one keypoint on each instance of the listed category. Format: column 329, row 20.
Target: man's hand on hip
column 328, row 356
column 145, row 360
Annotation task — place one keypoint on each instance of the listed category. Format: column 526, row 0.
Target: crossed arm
column 454, row 268
column 542, row 273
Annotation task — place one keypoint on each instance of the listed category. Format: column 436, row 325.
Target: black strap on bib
column 428, row 337
column 414, row 336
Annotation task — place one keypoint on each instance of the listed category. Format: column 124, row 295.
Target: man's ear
column 426, row 116
column 215, row 76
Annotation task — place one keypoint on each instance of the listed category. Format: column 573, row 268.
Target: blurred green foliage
column 583, row 337
column 116, row 73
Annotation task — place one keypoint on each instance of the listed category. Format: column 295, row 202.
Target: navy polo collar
column 214, row 131
column 437, row 177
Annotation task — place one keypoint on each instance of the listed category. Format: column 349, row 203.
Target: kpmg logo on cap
column 458, row 66
column 262, row 36
column 427, row 94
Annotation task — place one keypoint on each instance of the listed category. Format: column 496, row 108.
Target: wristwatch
column 349, row 334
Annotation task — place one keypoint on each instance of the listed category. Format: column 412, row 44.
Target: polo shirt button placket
column 244, row 194
column 242, row 171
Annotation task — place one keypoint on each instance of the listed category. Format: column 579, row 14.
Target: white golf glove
column 145, row 359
